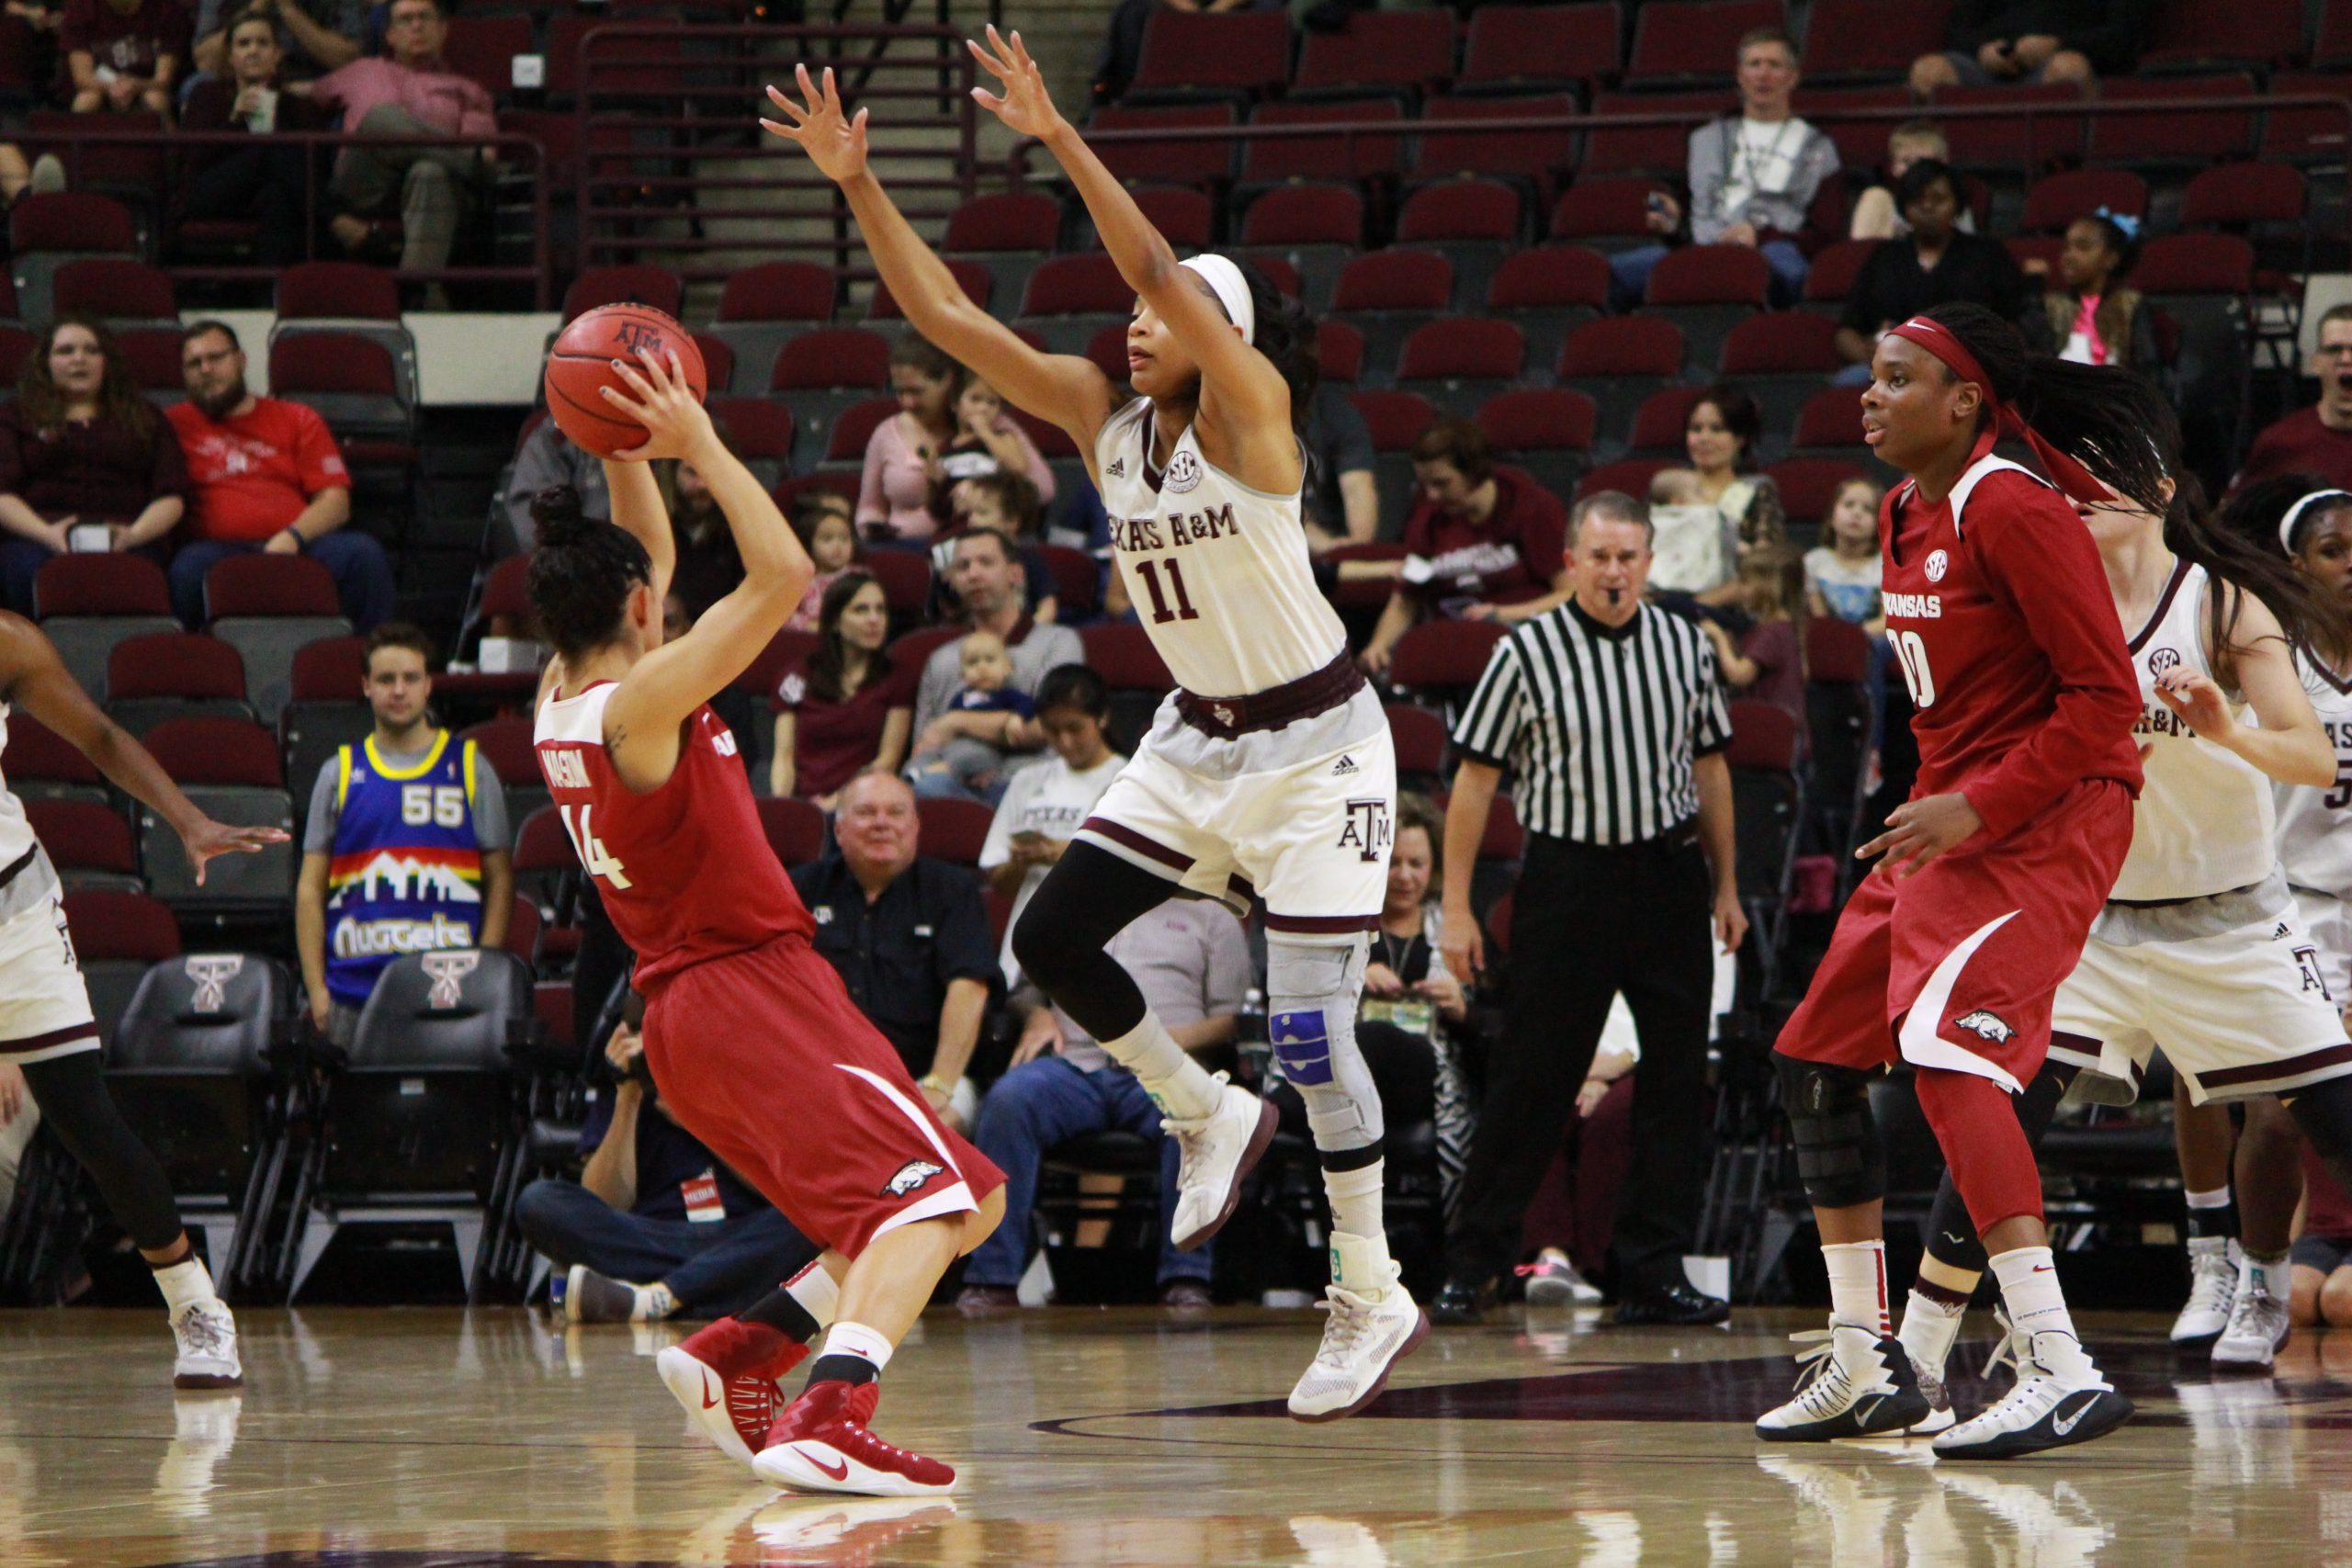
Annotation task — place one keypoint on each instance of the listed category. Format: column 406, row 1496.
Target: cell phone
column 89, row 538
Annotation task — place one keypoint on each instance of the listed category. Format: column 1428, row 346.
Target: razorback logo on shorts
column 912, row 1175
column 1984, row 1025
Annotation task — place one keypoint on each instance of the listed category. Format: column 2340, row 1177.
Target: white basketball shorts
column 2329, row 919
column 44, row 1005
column 1302, row 816
column 2237, row 1012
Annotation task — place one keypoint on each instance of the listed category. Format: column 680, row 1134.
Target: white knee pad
column 1314, row 989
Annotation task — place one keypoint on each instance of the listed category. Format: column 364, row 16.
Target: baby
column 982, row 721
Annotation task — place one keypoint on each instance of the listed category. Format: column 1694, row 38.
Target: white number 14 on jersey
column 592, row 850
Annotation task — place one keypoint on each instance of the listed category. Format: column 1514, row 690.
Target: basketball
column 581, row 362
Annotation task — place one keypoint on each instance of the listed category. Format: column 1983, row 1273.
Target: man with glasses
column 2316, row 440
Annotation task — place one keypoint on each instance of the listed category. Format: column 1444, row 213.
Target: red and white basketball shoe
column 725, row 1377
column 820, row 1444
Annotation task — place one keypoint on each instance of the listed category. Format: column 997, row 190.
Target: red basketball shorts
column 1956, row 966
column 763, row 1056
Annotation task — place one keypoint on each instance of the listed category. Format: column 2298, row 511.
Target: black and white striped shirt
column 1602, row 724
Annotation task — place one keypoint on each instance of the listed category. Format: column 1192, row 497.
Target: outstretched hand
column 834, row 142
column 1025, row 106
column 664, row 403
column 207, row 838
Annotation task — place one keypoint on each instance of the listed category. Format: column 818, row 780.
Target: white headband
column 1232, row 291
column 2322, row 499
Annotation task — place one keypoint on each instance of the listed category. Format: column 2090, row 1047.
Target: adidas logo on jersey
column 2280, row 934
column 1343, row 767
column 1985, row 1025
column 1115, row 470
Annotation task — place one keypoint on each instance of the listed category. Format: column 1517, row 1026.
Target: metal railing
column 662, row 108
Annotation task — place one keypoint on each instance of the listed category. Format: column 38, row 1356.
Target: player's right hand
column 1463, row 946
column 834, row 142
column 1025, row 106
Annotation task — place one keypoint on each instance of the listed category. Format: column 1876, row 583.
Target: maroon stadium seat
column 71, row 220
column 1305, row 215
column 1396, row 419
column 81, row 835
column 794, row 828
column 111, row 927
column 105, row 584
column 832, row 357
column 1121, row 652
column 1395, row 280
column 2195, row 263
column 1808, row 486
column 1869, row 41
column 1078, row 286
column 332, row 290
column 2231, row 194
column 1622, row 345
column 1187, row 217
column 978, row 287
column 1340, row 346
column 1532, row 156
column 1435, row 655
column 1539, row 49
column 505, row 745
column 1606, row 210
column 115, row 288
column 1781, row 342
column 1659, row 422
column 39, row 753
column 1406, row 53
column 1463, row 347
column 2195, row 34
column 642, row 283
column 1661, row 150
column 1831, row 419
column 1192, row 55
column 1005, row 220
column 2309, row 133
column 1550, row 278
column 953, row 830
column 778, row 291
column 758, row 429
column 261, row 584
column 1206, row 160
column 1710, row 275
column 331, row 670
column 1835, row 269
column 853, row 427
column 175, row 664
column 1269, row 160
column 1539, row 419
column 482, row 50
column 2180, row 134
column 1692, row 41
column 2056, row 200
column 1459, row 209
column 217, row 751
column 2008, row 141
column 1419, row 737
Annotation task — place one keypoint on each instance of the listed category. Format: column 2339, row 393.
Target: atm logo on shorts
column 1369, row 831
column 1985, row 1025
column 911, row 1177
column 2307, row 963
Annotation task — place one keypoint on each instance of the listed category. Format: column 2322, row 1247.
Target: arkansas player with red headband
column 1949, row 955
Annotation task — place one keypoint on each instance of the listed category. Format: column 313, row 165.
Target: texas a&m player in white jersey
column 1269, row 773
column 2315, row 825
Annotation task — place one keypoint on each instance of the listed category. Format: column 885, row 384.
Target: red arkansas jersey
column 684, row 870
column 2002, row 622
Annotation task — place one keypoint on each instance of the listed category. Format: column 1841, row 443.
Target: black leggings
column 71, row 1094
column 1949, row 1219
column 1089, row 896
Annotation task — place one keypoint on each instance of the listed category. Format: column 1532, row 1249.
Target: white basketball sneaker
column 1932, row 1389
column 1213, row 1154
column 1855, row 1384
column 2060, row 1398
column 2258, row 1325
column 2213, row 1268
column 207, row 1336
column 1374, row 1324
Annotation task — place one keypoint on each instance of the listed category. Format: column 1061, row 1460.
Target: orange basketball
column 581, row 361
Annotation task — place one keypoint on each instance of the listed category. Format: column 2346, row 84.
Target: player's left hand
column 1025, row 106
column 834, row 142
column 207, row 838
column 2197, row 702
column 1919, row 830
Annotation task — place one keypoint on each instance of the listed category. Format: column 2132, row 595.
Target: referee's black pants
column 1588, row 922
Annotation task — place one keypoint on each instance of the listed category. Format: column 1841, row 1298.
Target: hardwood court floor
column 446, row 1439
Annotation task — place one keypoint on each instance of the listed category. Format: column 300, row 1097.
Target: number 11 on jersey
column 591, row 849
column 1160, row 613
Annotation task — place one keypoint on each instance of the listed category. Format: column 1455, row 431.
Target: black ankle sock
column 851, row 1370
column 2219, row 1225
column 778, row 1311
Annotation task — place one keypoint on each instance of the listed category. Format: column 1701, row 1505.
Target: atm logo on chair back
column 446, row 970
column 213, row 974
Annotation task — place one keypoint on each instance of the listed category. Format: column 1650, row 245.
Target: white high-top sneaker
column 1932, row 1389
column 1213, row 1154
column 1855, row 1382
column 1374, row 1324
column 2213, row 1288
column 2060, row 1398
column 207, row 1335
column 2258, row 1323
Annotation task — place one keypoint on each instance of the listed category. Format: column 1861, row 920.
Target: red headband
column 2067, row 474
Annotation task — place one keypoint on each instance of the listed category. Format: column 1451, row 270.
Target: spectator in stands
column 953, row 757
column 849, row 709
column 1007, row 502
column 341, row 32
column 990, row 580
column 406, row 847
column 2095, row 319
column 263, row 181
column 903, row 458
column 829, row 532
column 1044, row 805
column 1753, row 178
column 548, row 457
column 986, row 441
column 1999, row 42
column 1766, row 663
column 709, row 566
column 264, row 474
column 2315, row 440
column 1939, row 264
column 1877, row 215
column 1841, row 576
column 1191, row 963
column 407, row 93
column 2321, row 1292
column 1484, row 542
column 122, row 56
column 910, row 935
column 654, row 1205
column 80, row 451
column 1342, row 502
column 1712, row 514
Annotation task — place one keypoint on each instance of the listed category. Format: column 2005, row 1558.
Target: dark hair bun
column 555, row 512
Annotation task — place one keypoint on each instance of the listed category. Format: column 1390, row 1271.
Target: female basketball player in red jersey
column 1270, row 770
column 1950, row 956
column 752, row 1041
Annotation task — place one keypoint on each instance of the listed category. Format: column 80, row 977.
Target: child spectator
column 2093, row 319
column 985, row 442
column 1841, row 577
column 975, row 764
column 1044, row 805
column 903, row 456
column 1877, row 215
column 822, row 520
column 1768, row 663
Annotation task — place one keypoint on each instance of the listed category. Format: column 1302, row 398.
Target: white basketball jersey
column 2203, row 823
column 2315, row 825
column 1217, row 571
column 15, row 831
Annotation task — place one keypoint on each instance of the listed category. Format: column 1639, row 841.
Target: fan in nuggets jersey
column 1269, row 773
column 751, row 1039
column 1950, row 953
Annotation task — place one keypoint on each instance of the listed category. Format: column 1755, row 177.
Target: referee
column 1611, row 715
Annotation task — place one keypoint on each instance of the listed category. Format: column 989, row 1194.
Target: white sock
column 847, row 1339
column 1362, row 1265
column 2198, row 1245
column 185, row 1281
column 2029, row 1276
column 1858, row 1284
column 1178, row 1085
column 2265, row 1271
column 2216, row 1198
column 1355, row 1201
column 1931, row 1328
column 653, row 1304
column 819, row 1293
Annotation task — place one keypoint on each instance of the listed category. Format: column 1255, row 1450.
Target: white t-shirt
column 1763, row 158
column 1051, row 799
column 1849, row 587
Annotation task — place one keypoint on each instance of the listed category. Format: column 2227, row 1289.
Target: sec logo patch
column 1938, row 564
column 1183, row 472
